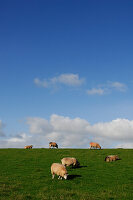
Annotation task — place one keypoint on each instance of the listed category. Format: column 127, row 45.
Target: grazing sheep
column 28, row 147
column 59, row 170
column 111, row 158
column 94, row 145
column 70, row 161
column 53, row 144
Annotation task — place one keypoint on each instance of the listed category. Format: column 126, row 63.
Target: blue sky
column 68, row 58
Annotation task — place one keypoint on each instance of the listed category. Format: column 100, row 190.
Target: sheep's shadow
column 81, row 166
column 76, row 167
column 70, row 177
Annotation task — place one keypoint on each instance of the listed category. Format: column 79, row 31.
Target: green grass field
column 25, row 174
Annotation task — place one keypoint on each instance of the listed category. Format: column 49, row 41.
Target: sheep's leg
column 59, row 177
column 52, row 176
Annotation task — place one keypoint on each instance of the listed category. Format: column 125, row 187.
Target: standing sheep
column 53, row 144
column 94, row 145
column 28, row 147
column 59, row 170
column 70, row 161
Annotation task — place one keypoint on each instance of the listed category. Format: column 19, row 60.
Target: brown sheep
column 53, row 144
column 111, row 158
column 70, row 162
column 94, row 145
column 59, row 170
column 28, row 147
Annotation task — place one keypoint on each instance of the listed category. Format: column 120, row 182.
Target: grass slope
column 25, row 175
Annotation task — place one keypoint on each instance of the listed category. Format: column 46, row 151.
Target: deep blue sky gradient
column 44, row 39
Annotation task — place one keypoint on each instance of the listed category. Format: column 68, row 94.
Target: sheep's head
column 78, row 164
column 65, row 176
column 117, row 158
column 107, row 159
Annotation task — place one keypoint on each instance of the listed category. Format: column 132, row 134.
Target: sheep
column 53, row 144
column 59, row 170
column 111, row 158
column 28, row 147
column 70, row 161
column 94, row 145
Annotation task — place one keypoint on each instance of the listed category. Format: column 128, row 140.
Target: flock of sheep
column 60, row 170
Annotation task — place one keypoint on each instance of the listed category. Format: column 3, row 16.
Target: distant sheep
column 59, row 170
column 70, row 162
column 28, row 147
column 53, row 144
column 94, row 145
column 111, row 158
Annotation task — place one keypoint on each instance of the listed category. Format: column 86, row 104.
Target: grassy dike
column 25, row 175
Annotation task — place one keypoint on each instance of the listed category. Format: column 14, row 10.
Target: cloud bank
column 74, row 133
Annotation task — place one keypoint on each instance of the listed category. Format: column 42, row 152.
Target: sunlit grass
column 25, row 174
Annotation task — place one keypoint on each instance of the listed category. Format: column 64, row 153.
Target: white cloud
column 18, row 141
column 38, row 125
column 70, row 79
column 59, row 128
column 119, row 129
column 128, row 145
column 73, row 80
column 41, row 83
column 118, row 86
column 107, row 88
column 63, row 79
column 65, row 124
column 94, row 91
column 18, row 138
column 73, row 133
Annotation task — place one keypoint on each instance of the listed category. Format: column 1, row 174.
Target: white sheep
column 59, row 170
column 70, row 161
column 28, row 147
column 111, row 158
